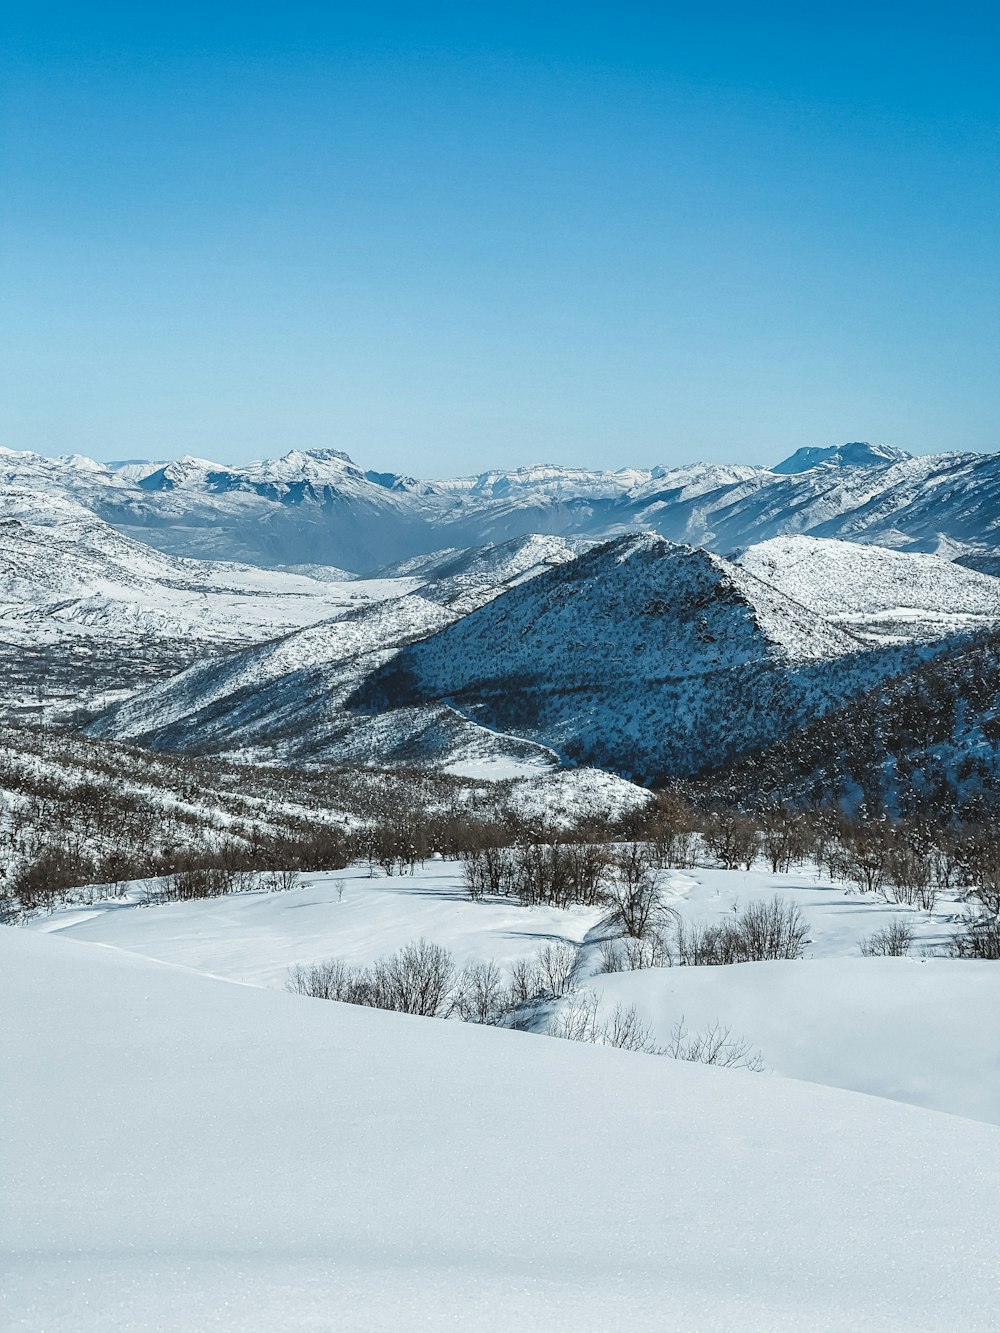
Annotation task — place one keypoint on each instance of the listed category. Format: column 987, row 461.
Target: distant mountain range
column 318, row 508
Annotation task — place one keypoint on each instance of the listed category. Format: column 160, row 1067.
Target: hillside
column 641, row 656
column 284, row 699
column 272, row 1158
column 924, row 744
column 87, row 613
column 882, row 596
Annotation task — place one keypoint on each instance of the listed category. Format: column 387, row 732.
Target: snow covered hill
column 640, row 656
column 284, row 699
column 810, row 1019
column 188, row 1145
column 878, row 594
column 318, row 507
column 87, row 612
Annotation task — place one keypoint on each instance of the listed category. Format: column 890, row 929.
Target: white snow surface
column 184, row 1153
column 897, row 1028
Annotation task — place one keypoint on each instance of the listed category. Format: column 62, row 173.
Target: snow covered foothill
column 283, row 699
column 87, row 612
column 185, row 1154
column 230, row 695
column 909, row 1029
column 350, row 914
column 892, row 1027
column 876, row 593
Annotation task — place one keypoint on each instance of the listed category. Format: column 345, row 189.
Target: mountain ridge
column 320, row 507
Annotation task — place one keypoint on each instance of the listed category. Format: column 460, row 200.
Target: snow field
column 904, row 1029
column 186, row 1154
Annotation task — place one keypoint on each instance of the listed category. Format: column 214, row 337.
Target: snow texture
column 189, row 1154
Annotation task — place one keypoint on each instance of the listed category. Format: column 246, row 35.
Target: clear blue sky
column 444, row 237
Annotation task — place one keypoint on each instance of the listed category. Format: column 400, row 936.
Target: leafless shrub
column 578, row 1021
column 892, row 941
column 672, row 832
column 716, row 1045
column 977, row 937
column 419, row 979
column 416, row 980
column 482, row 995
column 762, row 932
column 637, row 905
column 525, row 980
column 772, row 930
column 282, row 881
column 908, row 876
column 630, row 955
column 489, row 869
column 625, row 1031
column 332, row 979
column 733, row 838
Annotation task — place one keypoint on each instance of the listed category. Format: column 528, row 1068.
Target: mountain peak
column 859, row 453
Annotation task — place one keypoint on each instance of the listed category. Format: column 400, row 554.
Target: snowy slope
column 468, row 579
column 85, row 609
column 188, row 1153
column 810, row 1019
column 75, row 570
column 291, row 690
column 207, row 695
column 882, row 595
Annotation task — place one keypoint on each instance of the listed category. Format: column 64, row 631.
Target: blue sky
column 446, row 237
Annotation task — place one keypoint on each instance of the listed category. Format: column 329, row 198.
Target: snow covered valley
column 193, row 1147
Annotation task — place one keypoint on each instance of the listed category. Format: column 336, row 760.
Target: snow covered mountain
column 86, row 610
column 641, row 656
column 318, row 507
column 879, row 594
column 858, row 454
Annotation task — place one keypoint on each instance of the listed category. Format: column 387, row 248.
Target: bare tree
column 556, row 964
